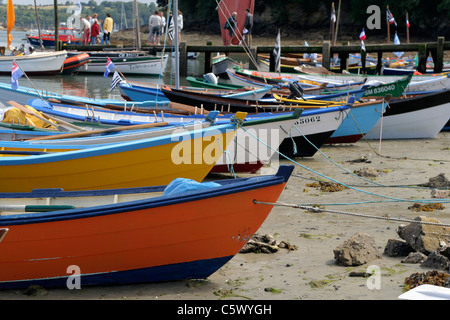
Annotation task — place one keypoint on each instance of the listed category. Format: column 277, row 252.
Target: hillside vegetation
column 293, row 17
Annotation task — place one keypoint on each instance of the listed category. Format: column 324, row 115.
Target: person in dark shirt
column 248, row 26
column 231, row 25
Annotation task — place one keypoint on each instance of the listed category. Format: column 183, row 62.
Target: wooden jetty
column 436, row 49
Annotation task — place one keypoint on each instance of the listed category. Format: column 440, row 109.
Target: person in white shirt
column 86, row 29
column 180, row 25
column 155, row 28
column 163, row 23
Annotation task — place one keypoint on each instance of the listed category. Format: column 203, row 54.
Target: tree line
column 429, row 17
column 425, row 16
column 120, row 12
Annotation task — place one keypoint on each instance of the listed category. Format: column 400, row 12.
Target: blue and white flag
column 109, row 67
column 115, row 80
column 277, row 53
column 171, row 29
column 390, row 17
column 15, row 75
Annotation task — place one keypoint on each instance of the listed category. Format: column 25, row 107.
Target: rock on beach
column 424, row 238
column 358, row 250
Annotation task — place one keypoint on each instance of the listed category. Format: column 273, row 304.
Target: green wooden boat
column 395, row 88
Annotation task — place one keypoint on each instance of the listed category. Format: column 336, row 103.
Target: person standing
column 95, row 29
column 163, row 23
column 154, row 27
column 86, row 28
column 107, row 28
column 231, row 25
column 180, row 25
column 248, row 25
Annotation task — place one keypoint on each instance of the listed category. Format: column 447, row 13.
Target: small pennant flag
column 277, row 53
column 390, row 17
column 115, row 80
column 362, row 35
column 333, row 14
column 109, row 67
column 397, row 41
column 15, row 75
column 407, row 23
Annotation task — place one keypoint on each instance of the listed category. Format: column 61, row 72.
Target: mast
column 136, row 19
column 337, row 23
column 38, row 24
column 333, row 20
column 177, row 54
column 55, row 5
column 123, row 17
column 388, row 28
column 407, row 27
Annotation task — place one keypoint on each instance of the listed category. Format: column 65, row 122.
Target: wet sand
column 310, row 272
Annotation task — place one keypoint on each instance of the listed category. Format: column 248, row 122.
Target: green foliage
column 427, row 15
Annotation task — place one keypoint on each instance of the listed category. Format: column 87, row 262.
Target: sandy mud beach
column 307, row 269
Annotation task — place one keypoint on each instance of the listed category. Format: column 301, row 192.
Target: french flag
column 109, row 67
column 15, row 75
column 362, row 35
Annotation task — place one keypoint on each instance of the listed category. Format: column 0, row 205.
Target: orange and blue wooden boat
column 183, row 231
column 136, row 163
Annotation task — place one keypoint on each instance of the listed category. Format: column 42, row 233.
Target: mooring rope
column 373, row 183
column 316, row 209
column 346, row 185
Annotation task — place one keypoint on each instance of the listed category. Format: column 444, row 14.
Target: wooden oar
column 59, row 127
column 100, row 131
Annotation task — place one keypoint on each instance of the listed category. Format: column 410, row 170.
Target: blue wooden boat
column 359, row 121
column 133, row 235
column 133, row 92
column 23, row 94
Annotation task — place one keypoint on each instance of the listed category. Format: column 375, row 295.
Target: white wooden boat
column 420, row 117
column 142, row 65
column 253, row 146
column 36, row 63
column 221, row 63
column 312, row 130
column 434, row 84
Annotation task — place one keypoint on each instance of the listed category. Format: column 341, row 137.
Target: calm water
column 93, row 85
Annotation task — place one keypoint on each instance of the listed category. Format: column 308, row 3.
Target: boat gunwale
column 226, row 187
column 108, row 149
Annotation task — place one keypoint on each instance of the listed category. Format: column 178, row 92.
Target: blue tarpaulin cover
column 182, row 185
